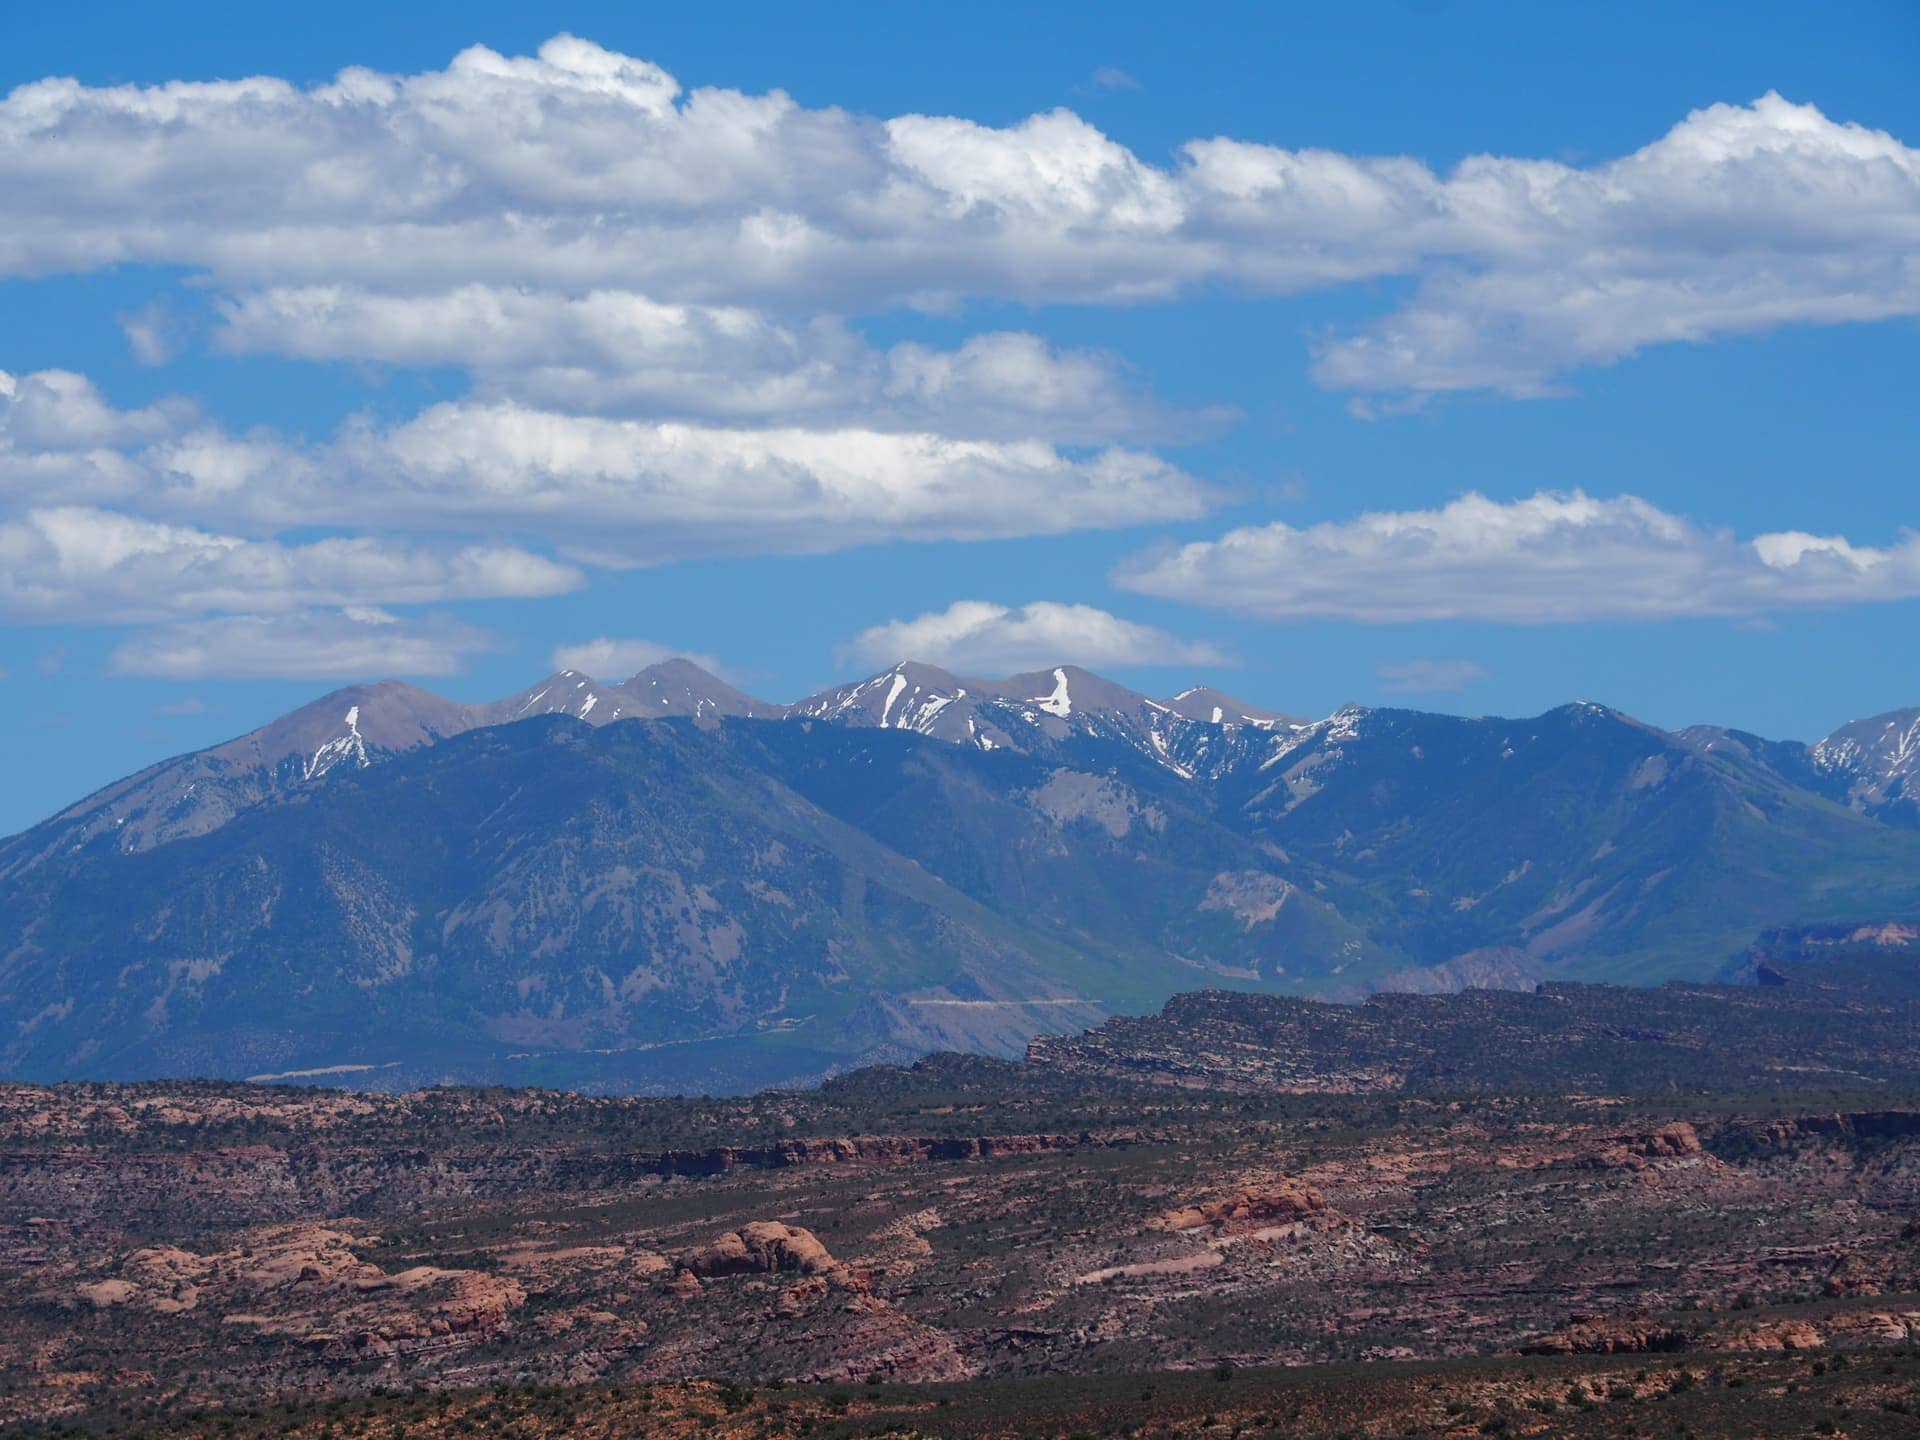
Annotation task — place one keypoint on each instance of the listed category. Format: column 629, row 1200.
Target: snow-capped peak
column 1875, row 763
column 1214, row 707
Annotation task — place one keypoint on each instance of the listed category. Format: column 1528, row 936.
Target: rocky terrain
column 1839, row 1006
column 1551, row 1261
column 1732, row 1396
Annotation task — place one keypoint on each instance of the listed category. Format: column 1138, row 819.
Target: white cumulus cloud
column 980, row 637
column 1739, row 220
column 341, row 644
column 74, row 563
column 579, row 170
column 61, row 411
column 1546, row 558
column 622, row 492
column 650, row 287
column 621, row 353
column 612, row 490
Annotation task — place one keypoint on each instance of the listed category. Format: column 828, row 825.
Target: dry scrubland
column 896, row 1253
column 1585, row 1211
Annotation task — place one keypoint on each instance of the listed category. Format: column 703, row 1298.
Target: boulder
column 105, row 1294
column 763, row 1248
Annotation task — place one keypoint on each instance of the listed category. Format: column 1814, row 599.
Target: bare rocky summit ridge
column 349, row 729
column 362, row 724
column 1867, row 764
column 1871, row 766
column 1196, row 733
column 1875, row 765
column 1216, row 707
column 195, row 794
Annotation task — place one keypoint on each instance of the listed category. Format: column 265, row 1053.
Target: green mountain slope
column 697, row 903
column 623, row 906
column 1581, row 839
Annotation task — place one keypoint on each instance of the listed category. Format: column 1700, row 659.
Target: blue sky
column 1198, row 337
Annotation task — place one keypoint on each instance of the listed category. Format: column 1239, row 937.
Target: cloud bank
column 304, row 645
column 1544, row 559
column 657, row 292
column 617, row 491
column 74, row 563
column 619, row 352
column 579, row 170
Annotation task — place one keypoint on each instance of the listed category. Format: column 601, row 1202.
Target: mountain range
column 666, row 883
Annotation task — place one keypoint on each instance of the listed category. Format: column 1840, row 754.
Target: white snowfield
column 348, row 746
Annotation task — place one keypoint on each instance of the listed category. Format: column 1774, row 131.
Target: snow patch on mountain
column 1060, row 702
column 350, row 746
column 1874, row 765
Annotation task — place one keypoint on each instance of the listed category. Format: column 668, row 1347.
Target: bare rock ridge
column 358, row 726
column 1198, row 732
column 193, row 794
column 1875, row 765
column 1282, row 1202
column 1215, row 707
column 353, row 728
column 671, row 688
column 1869, row 765
column 306, row 1284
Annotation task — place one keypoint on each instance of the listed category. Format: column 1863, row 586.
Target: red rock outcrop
column 1609, row 1335
column 306, row 1282
column 1779, row 1335
column 1875, row 1325
column 1280, row 1203
column 765, row 1247
column 1856, row 1274
column 685, row 1285
column 1677, row 1141
column 1668, row 1142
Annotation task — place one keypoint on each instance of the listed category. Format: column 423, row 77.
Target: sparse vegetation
column 884, row 1255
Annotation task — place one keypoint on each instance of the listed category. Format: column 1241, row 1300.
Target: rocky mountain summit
column 1198, row 731
column 1875, row 765
column 1201, row 732
column 349, row 729
column 1871, row 766
column 363, row 724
